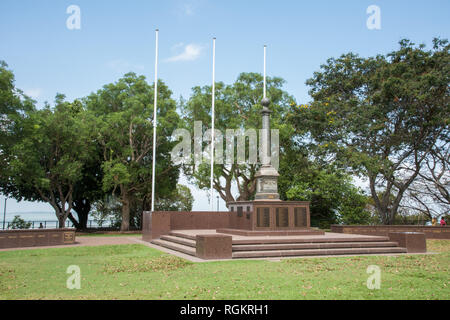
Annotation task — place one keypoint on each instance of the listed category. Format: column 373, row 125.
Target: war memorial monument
column 263, row 227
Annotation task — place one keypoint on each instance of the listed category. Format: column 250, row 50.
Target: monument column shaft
column 267, row 175
column 266, row 136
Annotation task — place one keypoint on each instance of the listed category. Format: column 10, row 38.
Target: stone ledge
column 431, row 232
column 214, row 246
column 414, row 242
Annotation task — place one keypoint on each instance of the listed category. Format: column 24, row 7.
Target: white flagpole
column 155, row 99
column 264, row 90
column 212, row 123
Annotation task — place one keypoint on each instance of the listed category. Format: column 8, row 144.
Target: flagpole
column 264, row 88
column 212, row 123
column 155, row 99
column 4, row 214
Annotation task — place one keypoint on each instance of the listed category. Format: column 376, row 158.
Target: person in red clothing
column 442, row 222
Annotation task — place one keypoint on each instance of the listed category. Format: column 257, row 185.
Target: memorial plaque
column 300, row 217
column 282, row 217
column 263, row 217
column 239, row 211
column 69, row 237
column 269, row 185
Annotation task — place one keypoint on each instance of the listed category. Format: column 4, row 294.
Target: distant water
column 30, row 216
column 48, row 219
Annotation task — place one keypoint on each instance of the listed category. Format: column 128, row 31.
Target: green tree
column 237, row 106
column 13, row 102
column 13, row 107
column 334, row 198
column 19, row 223
column 107, row 208
column 181, row 199
column 88, row 189
column 124, row 114
column 381, row 116
column 47, row 160
column 430, row 192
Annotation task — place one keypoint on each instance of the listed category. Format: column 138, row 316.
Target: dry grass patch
column 142, row 264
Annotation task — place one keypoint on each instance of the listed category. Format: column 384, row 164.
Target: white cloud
column 191, row 52
column 176, row 46
column 33, row 93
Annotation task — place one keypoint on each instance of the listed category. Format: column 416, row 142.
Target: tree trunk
column 125, row 225
column 385, row 214
column 82, row 207
column 389, row 217
column 382, row 205
column 74, row 221
column 61, row 221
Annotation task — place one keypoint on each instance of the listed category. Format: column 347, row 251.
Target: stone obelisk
column 267, row 175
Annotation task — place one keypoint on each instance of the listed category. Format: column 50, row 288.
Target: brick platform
column 252, row 217
column 241, row 246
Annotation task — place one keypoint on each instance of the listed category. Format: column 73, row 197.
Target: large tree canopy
column 237, row 107
column 430, row 192
column 72, row 154
column 47, row 159
column 17, row 115
column 381, row 116
column 12, row 100
column 330, row 190
column 13, row 107
column 124, row 129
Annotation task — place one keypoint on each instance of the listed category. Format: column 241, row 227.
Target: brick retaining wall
column 161, row 223
column 431, row 232
column 35, row 237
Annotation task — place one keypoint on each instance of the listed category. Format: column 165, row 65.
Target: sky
column 115, row 37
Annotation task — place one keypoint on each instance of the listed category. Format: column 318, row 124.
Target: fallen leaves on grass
column 163, row 263
column 434, row 245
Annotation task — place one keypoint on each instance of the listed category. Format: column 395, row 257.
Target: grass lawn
column 140, row 272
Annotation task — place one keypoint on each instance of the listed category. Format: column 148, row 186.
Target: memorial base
column 269, row 215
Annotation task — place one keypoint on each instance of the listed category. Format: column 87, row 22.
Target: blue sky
column 118, row 36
